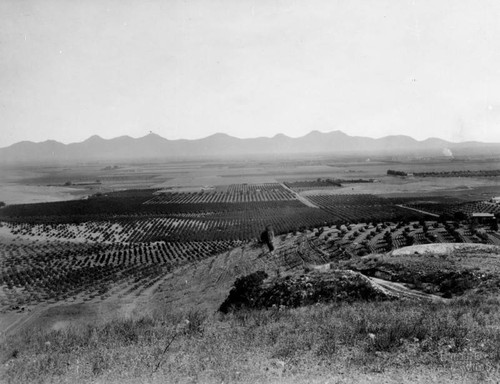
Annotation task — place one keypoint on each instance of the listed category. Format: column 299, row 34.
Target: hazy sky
column 188, row 69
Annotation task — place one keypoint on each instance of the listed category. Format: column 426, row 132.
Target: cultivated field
column 156, row 239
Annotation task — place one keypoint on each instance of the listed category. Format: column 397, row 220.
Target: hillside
column 173, row 329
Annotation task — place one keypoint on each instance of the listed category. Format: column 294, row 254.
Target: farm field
column 86, row 270
column 451, row 209
column 362, row 208
column 173, row 237
column 48, row 182
column 88, row 260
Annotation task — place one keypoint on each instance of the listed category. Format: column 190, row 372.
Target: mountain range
column 153, row 146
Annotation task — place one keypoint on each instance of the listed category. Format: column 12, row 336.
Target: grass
column 305, row 344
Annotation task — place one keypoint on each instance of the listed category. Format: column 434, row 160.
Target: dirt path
column 417, row 210
column 445, row 248
column 20, row 321
column 404, row 292
column 299, row 197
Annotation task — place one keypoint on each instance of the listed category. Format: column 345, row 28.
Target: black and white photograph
column 249, row 191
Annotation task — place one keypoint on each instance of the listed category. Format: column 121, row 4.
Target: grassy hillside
column 391, row 341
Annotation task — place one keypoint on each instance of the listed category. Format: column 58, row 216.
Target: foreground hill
column 220, row 145
column 173, row 332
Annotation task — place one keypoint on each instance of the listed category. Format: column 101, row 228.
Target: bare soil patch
column 25, row 194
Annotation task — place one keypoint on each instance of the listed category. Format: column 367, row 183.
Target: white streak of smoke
column 447, row 152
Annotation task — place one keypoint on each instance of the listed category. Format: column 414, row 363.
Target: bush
column 245, row 292
column 300, row 290
column 457, row 283
column 195, row 323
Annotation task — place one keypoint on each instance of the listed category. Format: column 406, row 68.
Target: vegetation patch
column 254, row 291
column 363, row 208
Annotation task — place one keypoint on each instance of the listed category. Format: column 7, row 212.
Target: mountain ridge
column 221, row 144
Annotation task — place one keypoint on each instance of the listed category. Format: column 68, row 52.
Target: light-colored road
column 404, row 292
column 417, row 210
column 301, row 198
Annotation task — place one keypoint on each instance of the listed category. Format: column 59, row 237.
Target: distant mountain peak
column 217, row 135
column 280, row 136
column 314, row 133
column 152, row 134
column 221, row 144
column 94, row 138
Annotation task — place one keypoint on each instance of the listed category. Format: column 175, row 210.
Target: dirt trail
column 444, row 248
column 404, row 292
column 301, row 198
column 417, row 210
column 21, row 321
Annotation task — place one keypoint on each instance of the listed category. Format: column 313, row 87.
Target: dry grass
column 339, row 342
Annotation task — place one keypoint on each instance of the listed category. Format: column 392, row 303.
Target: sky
column 248, row 68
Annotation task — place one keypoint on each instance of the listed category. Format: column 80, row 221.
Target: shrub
column 245, row 292
column 195, row 323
